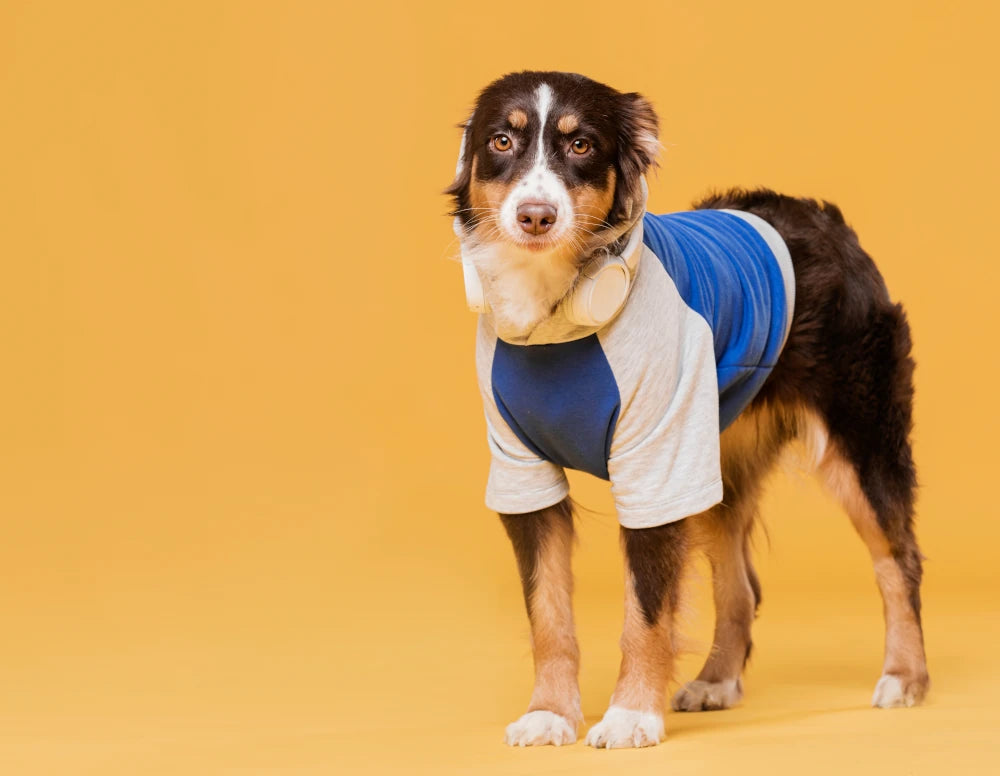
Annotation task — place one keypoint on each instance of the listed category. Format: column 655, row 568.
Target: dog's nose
column 536, row 217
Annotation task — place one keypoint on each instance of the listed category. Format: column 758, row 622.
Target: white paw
column 537, row 728
column 624, row 728
column 699, row 695
column 892, row 691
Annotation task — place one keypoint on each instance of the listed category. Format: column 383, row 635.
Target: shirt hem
column 520, row 502
column 673, row 510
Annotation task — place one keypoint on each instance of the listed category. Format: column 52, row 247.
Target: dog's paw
column 699, row 695
column 893, row 691
column 624, row 728
column 538, row 728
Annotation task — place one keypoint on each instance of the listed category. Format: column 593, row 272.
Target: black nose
column 536, row 217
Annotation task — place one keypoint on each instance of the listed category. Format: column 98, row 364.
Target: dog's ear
column 638, row 146
column 459, row 189
column 638, row 135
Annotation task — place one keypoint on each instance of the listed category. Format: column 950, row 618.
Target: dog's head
column 550, row 169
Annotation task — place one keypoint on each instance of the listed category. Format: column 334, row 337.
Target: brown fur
column 543, row 543
column 621, row 128
column 654, row 563
column 904, row 643
column 593, row 204
column 485, row 197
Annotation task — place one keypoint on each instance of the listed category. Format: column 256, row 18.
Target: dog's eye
column 502, row 143
column 580, row 146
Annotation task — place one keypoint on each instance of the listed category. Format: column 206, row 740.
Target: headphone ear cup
column 600, row 292
column 474, row 295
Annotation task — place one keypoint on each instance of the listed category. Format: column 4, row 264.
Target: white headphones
column 603, row 285
column 601, row 288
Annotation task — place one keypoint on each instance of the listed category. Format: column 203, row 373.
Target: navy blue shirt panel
column 568, row 415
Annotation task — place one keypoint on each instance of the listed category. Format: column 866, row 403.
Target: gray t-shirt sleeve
column 665, row 457
column 520, row 483
column 519, row 480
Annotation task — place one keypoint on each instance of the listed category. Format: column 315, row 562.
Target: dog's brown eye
column 580, row 146
column 502, row 143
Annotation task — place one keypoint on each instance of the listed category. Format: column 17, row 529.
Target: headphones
column 601, row 288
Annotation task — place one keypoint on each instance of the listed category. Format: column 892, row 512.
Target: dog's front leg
column 654, row 562
column 543, row 543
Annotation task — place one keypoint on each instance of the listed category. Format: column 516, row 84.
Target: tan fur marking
column 517, row 119
column 647, row 657
column 486, row 199
column 592, row 204
column 744, row 437
column 904, row 648
column 568, row 123
column 556, row 655
column 722, row 533
column 814, row 439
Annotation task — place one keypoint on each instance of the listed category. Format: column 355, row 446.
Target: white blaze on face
column 540, row 184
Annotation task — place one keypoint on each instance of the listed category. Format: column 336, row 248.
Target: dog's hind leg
column 897, row 562
column 654, row 564
column 869, row 467
column 718, row 686
column 749, row 449
column 543, row 543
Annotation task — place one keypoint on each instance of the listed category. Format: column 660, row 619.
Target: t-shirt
column 641, row 400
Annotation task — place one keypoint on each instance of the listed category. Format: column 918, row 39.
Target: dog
column 677, row 356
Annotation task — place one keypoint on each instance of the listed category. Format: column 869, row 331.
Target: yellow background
column 242, row 448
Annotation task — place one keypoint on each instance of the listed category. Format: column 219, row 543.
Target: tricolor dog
column 676, row 356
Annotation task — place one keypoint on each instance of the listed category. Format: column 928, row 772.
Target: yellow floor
column 436, row 700
column 264, row 638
